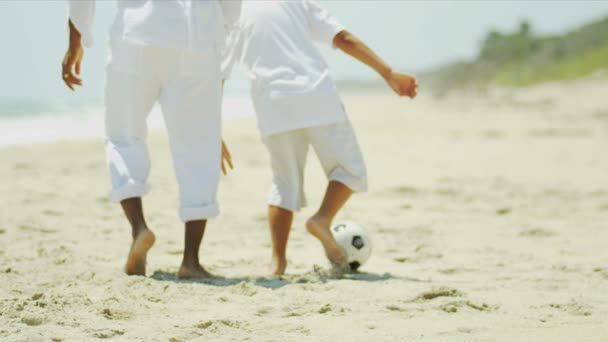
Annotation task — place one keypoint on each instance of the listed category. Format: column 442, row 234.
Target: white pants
column 188, row 87
column 338, row 151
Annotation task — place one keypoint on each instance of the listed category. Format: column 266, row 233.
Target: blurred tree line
column 522, row 58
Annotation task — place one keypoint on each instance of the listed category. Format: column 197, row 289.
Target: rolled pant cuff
column 287, row 205
column 129, row 191
column 187, row 214
column 353, row 183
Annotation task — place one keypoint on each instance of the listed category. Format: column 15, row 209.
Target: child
column 297, row 105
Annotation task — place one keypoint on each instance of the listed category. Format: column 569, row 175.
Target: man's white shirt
column 198, row 25
column 290, row 83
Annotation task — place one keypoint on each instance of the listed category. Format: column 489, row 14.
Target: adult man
column 164, row 51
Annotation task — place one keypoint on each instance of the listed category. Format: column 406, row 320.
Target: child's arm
column 402, row 84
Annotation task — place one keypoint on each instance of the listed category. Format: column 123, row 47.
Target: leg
column 280, row 221
column 191, row 104
column 143, row 238
column 288, row 159
column 320, row 223
column 130, row 95
column 191, row 267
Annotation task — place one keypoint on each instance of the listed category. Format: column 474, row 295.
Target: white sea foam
column 76, row 122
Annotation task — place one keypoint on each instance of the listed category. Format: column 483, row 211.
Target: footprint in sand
column 573, row 308
column 455, row 270
column 404, row 189
column 32, row 319
column 438, row 292
column 503, row 211
column 107, row 333
column 116, row 314
column 537, row 233
column 455, row 306
column 29, row 228
column 263, row 311
column 601, row 271
column 394, row 308
column 221, row 324
column 52, row 213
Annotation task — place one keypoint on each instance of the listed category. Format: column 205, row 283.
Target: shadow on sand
column 316, row 276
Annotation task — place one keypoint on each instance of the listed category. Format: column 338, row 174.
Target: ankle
column 279, row 257
column 322, row 217
column 190, row 261
column 138, row 229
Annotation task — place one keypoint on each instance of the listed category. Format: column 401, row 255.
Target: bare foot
column 339, row 270
column 278, row 265
column 191, row 272
column 319, row 228
column 136, row 261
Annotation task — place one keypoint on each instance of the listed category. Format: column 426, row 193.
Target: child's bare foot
column 192, row 272
column 319, row 228
column 136, row 261
column 278, row 265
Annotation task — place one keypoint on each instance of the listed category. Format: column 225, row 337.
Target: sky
column 411, row 35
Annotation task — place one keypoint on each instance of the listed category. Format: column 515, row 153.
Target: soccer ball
column 355, row 241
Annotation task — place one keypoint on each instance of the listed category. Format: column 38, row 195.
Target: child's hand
column 403, row 84
column 226, row 158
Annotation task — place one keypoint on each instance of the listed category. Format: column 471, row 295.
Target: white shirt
column 290, row 83
column 189, row 24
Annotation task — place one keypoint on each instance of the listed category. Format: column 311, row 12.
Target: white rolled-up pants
column 187, row 85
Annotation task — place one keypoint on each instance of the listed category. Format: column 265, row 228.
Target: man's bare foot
column 319, row 228
column 136, row 261
column 192, row 272
column 278, row 265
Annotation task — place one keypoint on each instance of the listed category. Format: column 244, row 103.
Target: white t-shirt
column 290, row 83
column 198, row 25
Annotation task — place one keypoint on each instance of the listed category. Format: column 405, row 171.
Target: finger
column 68, row 77
column 77, row 67
column 74, row 80
column 68, row 84
column 226, row 154
column 223, row 167
column 229, row 160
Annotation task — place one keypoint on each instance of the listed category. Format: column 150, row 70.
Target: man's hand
column 72, row 60
column 403, row 84
column 226, row 158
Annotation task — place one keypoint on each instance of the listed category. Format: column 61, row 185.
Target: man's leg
column 280, row 221
column 143, row 238
column 319, row 224
column 130, row 94
column 191, row 267
column 191, row 102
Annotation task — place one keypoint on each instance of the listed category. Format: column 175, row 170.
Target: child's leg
column 288, row 152
column 280, row 221
column 339, row 154
column 320, row 223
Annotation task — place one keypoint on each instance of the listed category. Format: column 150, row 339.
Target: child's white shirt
column 290, row 83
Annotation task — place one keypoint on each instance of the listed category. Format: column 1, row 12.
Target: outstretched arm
column 402, row 84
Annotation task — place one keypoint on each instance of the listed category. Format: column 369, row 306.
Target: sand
column 489, row 215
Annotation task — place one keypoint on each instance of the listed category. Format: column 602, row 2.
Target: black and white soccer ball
column 355, row 241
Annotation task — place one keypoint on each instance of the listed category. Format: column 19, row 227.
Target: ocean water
column 32, row 121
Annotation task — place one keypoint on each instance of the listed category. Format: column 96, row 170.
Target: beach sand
column 489, row 216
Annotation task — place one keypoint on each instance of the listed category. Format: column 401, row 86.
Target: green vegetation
column 521, row 58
